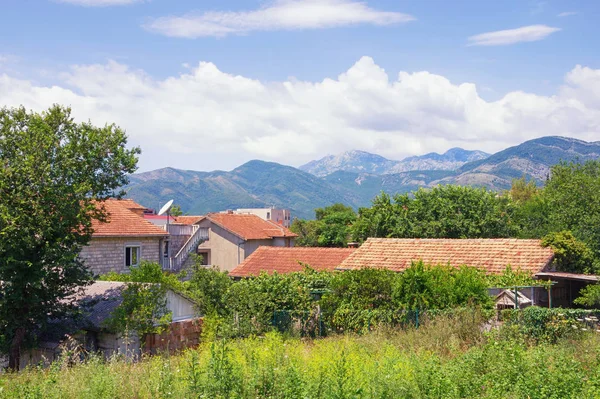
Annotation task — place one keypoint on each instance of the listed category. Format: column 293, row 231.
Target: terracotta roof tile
column 123, row 220
column 286, row 260
column 491, row 255
column 188, row 219
column 249, row 227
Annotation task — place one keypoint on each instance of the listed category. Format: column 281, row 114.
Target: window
column 268, row 215
column 132, row 255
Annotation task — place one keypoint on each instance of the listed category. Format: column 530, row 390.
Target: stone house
column 124, row 240
column 233, row 237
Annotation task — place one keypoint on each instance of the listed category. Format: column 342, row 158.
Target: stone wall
column 103, row 255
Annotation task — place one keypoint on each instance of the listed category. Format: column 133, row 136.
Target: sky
column 211, row 84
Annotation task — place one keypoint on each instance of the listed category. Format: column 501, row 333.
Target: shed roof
column 490, row 255
column 507, row 298
column 249, row 227
column 287, row 260
column 124, row 220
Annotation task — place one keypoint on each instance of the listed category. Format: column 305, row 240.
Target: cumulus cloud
column 277, row 15
column 207, row 119
column 99, row 3
column 531, row 33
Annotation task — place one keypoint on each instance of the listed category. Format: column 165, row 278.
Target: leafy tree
column 176, row 211
column 589, row 296
column 208, row 287
column 308, row 232
column 442, row 212
column 53, row 172
column 522, row 190
column 573, row 198
column 570, row 254
column 330, row 229
column 440, row 287
column 144, row 306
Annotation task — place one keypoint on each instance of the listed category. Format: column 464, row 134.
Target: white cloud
column 99, row 3
column 567, row 14
column 206, row 119
column 277, row 15
column 531, row 33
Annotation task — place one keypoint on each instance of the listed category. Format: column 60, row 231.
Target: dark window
column 204, row 257
column 268, row 215
column 132, row 256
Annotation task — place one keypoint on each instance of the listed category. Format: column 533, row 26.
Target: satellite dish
column 166, row 208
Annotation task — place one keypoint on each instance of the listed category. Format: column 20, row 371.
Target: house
column 131, row 235
column 97, row 302
column 233, row 237
column 290, row 259
column 279, row 216
column 124, row 240
column 490, row 255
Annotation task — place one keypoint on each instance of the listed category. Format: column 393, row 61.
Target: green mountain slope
column 262, row 184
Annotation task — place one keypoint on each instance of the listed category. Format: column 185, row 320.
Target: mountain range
column 364, row 162
column 353, row 178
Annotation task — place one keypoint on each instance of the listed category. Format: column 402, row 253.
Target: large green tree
column 441, row 212
column 53, row 173
column 573, row 198
column 331, row 227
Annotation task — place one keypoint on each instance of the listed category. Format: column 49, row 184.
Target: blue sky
column 137, row 63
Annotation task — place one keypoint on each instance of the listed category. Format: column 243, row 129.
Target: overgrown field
column 445, row 358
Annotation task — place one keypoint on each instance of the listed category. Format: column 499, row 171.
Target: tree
column 441, row 212
column 208, row 287
column 175, row 211
column 54, row 173
column 522, row 191
column 573, row 199
column 570, row 254
column 144, row 305
column 330, row 229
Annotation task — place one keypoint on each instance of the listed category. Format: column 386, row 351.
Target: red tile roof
column 491, row 255
column 286, row 260
column 124, row 221
column 249, row 227
column 187, row 219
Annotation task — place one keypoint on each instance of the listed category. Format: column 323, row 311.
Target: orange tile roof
column 286, row 260
column 188, row 219
column 249, row 227
column 491, row 255
column 124, row 221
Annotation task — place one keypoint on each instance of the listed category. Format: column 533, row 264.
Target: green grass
column 447, row 358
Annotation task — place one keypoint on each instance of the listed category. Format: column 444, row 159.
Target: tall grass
column 448, row 357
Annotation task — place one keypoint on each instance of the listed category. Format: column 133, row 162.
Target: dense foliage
column 357, row 300
column 143, row 309
column 52, row 173
column 331, row 227
column 442, row 212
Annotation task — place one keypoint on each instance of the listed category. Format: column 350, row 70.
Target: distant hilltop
column 364, row 162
